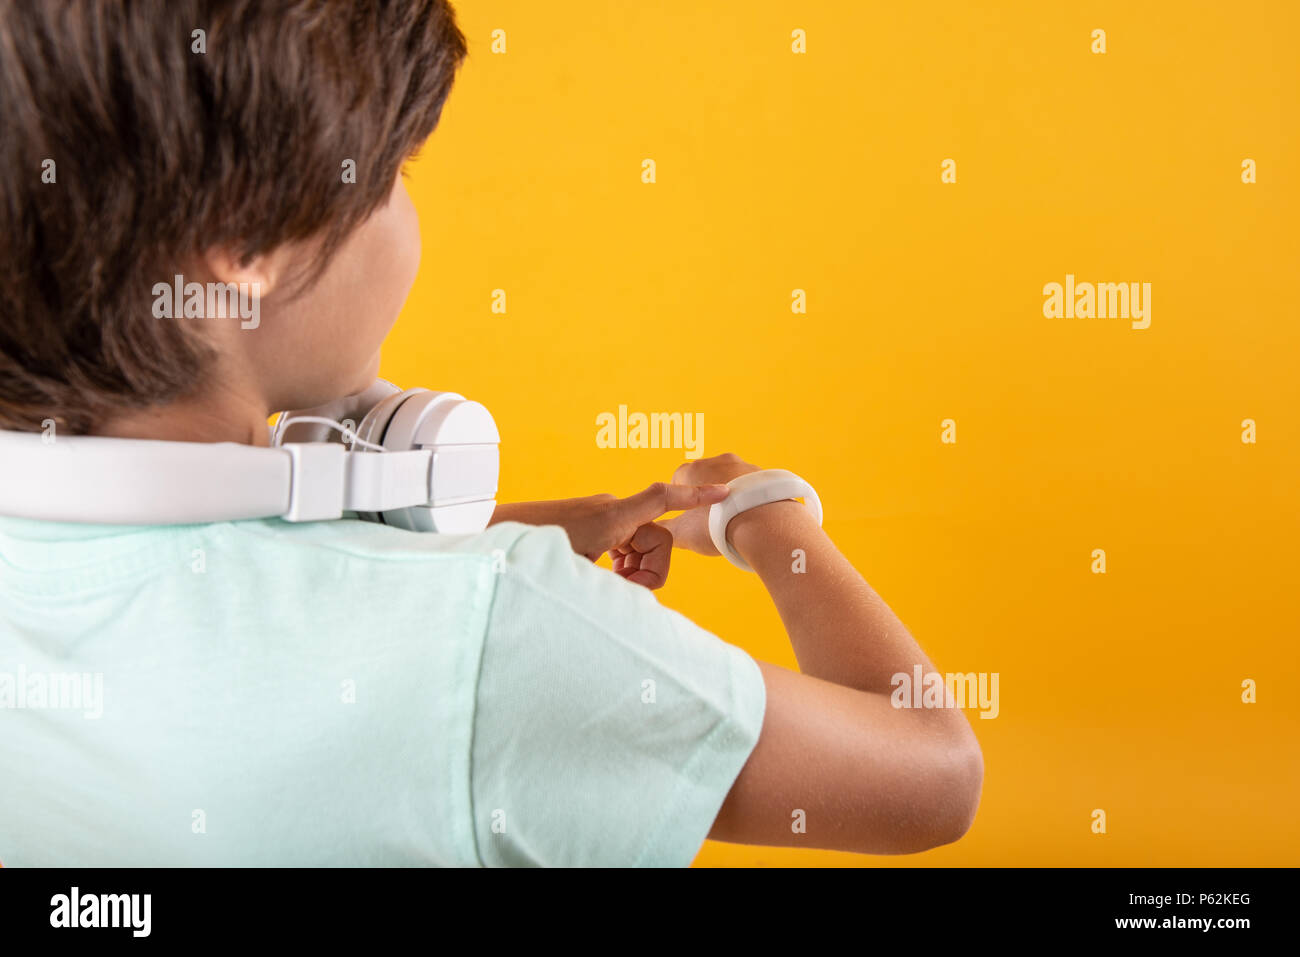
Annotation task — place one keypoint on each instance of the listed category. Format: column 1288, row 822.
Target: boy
column 347, row 692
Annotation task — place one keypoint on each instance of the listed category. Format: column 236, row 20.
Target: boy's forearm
column 511, row 512
column 841, row 630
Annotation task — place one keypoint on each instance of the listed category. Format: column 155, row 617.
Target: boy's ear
column 263, row 272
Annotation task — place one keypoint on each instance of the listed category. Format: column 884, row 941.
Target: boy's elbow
column 965, row 788
column 963, row 777
column 952, row 796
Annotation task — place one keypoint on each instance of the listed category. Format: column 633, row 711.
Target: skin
column 868, row 777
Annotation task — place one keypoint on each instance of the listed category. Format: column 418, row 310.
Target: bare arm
column 867, row 776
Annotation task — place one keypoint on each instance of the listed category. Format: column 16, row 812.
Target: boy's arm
column 867, row 776
column 623, row 527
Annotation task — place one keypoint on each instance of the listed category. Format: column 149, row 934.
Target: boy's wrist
column 767, row 528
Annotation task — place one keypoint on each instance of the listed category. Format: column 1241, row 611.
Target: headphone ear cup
column 373, row 430
column 464, row 468
column 374, row 427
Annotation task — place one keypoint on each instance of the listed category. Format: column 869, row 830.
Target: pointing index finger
column 664, row 497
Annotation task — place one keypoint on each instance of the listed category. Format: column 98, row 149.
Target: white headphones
column 420, row 460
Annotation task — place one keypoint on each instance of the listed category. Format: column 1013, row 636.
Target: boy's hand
column 640, row 548
column 690, row 530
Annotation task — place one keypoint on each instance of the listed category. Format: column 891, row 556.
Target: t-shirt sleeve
column 608, row 729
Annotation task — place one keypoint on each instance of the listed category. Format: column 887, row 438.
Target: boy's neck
column 220, row 417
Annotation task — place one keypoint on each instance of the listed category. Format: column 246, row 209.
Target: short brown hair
column 160, row 151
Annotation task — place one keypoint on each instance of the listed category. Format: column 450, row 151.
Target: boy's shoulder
column 95, row 554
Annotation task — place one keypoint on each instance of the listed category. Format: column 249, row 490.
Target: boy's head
column 224, row 141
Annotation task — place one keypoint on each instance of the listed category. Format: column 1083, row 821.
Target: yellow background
column 821, row 171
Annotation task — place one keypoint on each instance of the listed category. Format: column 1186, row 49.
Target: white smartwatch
column 750, row 491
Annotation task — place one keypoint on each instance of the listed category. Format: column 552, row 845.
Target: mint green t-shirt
column 344, row 693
